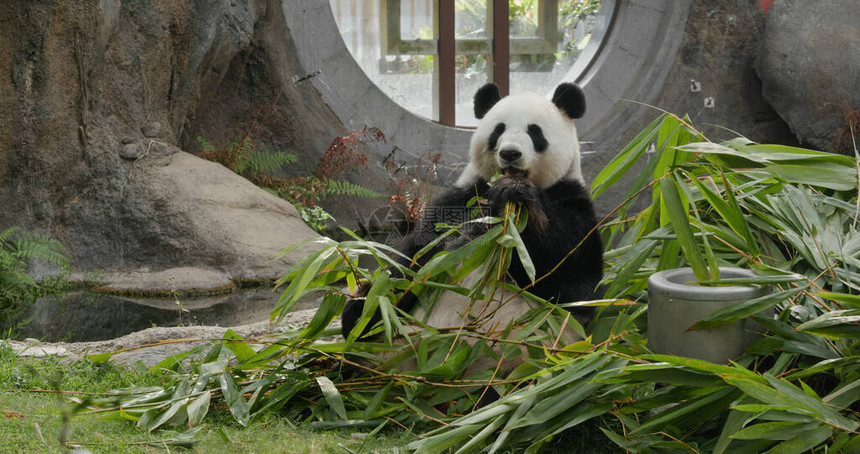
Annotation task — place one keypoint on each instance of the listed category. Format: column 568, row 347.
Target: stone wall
column 103, row 100
column 717, row 54
column 101, row 97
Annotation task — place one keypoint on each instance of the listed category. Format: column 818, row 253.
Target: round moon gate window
column 431, row 56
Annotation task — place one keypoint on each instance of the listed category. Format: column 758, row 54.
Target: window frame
column 498, row 46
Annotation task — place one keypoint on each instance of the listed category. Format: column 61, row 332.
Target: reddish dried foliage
column 228, row 154
column 414, row 189
column 343, row 154
column 412, row 183
column 846, row 139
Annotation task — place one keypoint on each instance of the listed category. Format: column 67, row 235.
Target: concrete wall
column 632, row 65
column 653, row 51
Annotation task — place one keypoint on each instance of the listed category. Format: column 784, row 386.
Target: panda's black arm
column 451, row 208
column 570, row 221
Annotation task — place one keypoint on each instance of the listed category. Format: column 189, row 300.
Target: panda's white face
column 524, row 134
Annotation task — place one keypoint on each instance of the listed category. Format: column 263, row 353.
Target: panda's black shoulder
column 568, row 191
column 570, row 210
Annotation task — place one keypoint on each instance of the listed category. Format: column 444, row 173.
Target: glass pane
column 538, row 64
column 405, row 78
column 472, row 32
column 416, row 19
column 524, row 17
column 471, row 75
column 470, row 19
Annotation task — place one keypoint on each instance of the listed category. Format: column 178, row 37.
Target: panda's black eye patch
column 494, row 137
column 536, row 134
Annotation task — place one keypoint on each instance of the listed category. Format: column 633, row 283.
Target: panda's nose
column 509, row 154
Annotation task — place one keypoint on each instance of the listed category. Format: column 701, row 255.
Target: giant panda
column 525, row 149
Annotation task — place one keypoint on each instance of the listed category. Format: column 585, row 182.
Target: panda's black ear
column 486, row 97
column 570, row 99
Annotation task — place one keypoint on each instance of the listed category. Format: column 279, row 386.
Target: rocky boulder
column 809, row 64
column 98, row 101
column 180, row 209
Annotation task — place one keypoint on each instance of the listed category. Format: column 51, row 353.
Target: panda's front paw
column 511, row 189
column 520, row 190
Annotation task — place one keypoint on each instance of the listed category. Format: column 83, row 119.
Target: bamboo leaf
column 377, row 400
column 710, row 259
column 664, row 373
column 381, row 286
column 479, row 438
column 304, row 275
column 625, row 159
column 777, row 153
column 782, row 394
column 729, row 211
column 436, row 444
column 704, row 366
column 823, row 366
column 280, row 396
column 198, row 408
column 734, row 422
column 351, row 283
column 666, row 141
column 332, row 396
column 844, row 396
column 520, row 409
column 629, row 265
column 331, row 306
column 823, row 175
column 522, row 252
column 485, row 414
column 233, row 397
column 679, row 219
column 758, row 280
column 774, row 430
column 803, row 442
column 450, row 363
column 835, row 324
column 386, row 311
column 167, row 415
column 685, row 410
column 744, row 309
column 101, row 358
column 813, row 403
column 574, row 417
column 547, row 409
column 851, row 300
column 242, row 350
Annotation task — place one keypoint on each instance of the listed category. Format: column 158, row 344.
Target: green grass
column 33, row 420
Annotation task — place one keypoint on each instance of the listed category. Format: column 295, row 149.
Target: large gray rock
column 99, row 97
column 183, row 210
column 809, row 63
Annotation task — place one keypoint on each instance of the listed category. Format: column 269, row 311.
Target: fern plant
column 268, row 161
column 240, row 157
column 303, row 192
column 17, row 288
column 343, row 187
